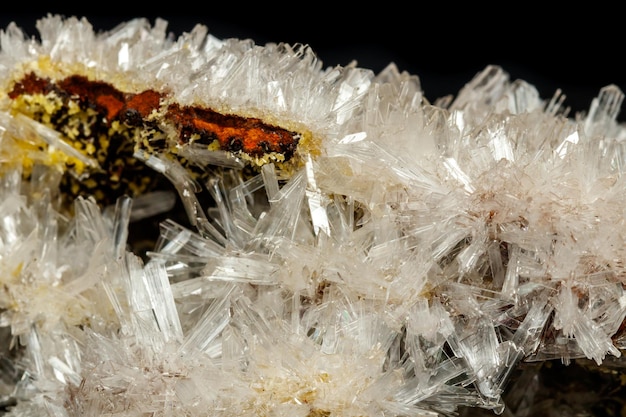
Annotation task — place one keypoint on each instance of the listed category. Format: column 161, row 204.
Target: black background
column 573, row 48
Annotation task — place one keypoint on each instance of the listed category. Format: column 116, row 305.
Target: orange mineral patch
column 234, row 133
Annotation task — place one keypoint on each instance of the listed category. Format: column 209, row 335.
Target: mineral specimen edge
column 358, row 250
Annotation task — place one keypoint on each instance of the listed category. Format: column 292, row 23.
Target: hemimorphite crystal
column 421, row 255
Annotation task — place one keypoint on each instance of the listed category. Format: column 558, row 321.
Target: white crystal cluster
column 405, row 270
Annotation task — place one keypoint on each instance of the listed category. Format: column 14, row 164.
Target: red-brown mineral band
column 234, row 133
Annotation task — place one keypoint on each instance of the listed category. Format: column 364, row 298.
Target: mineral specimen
column 330, row 242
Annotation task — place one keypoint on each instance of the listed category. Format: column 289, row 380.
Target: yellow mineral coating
column 138, row 189
column 28, row 151
column 27, row 154
column 214, row 146
column 78, row 121
column 37, row 106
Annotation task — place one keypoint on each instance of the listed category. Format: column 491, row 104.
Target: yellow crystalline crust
column 29, row 150
column 109, row 124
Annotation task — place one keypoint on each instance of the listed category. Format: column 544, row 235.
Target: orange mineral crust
column 234, row 133
column 110, row 125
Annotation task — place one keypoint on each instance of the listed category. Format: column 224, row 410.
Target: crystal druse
column 193, row 226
